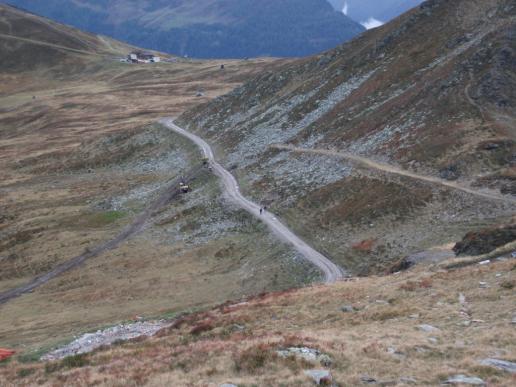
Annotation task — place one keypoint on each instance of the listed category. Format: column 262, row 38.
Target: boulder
column 503, row 365
column 320, row 377
column 366, row 379
column 450, row 173
column 307, row 354
column 347, row 308
column 463, row 379
column 485, row 241
column 427, row 328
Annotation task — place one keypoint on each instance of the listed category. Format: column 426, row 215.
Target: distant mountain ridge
column 208, row 29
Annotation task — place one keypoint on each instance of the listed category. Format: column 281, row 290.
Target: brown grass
column 365, row 246
column 49, row 213
column 376, row 340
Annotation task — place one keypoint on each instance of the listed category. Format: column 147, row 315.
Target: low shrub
column 205, row 326
column 75, row 361
column 253, row 359
column 411, row 286
column 24, row 372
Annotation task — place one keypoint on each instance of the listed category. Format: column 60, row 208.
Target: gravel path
column 331, row 271
column 398, row 171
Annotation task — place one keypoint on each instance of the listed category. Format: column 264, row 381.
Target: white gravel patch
column 91, row 341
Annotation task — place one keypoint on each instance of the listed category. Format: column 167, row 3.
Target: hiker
column 261, row 210
column 264, row 208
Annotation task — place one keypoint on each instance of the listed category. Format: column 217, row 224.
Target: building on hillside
column 143, row 57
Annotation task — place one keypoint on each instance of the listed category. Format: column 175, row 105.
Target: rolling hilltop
column 207, row 28
column 28, row 42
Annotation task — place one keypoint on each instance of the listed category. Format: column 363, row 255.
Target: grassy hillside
column 207, row 28
column 422, row 327
column 400, row 140
column 81, row 157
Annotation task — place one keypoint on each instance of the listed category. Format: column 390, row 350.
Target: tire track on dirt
column 170, row 192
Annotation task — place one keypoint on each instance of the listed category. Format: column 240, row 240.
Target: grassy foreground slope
column 81, row 157
column 421, row 327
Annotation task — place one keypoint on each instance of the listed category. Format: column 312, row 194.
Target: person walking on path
column 261, row 210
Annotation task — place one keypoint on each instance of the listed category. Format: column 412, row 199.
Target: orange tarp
column 5, row 353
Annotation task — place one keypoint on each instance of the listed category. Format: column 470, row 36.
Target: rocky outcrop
column 503, row 365
column 485, row 241
column 464, row 380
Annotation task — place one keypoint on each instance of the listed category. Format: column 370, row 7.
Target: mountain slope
column 208, row 29
column 81, row 158
column 28, row 41
column 431, row 93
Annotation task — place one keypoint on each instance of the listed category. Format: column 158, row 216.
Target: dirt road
column 169, row 193
column 331, row 271
column 398, row 171
column 52, row 45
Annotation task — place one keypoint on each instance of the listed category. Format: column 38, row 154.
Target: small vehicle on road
column 185, row 188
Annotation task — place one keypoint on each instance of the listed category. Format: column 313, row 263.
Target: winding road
column 331, row 271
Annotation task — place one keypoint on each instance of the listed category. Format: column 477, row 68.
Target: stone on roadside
column 366, row 379
column 307, row 354
column 348, row 308
column 320, row 377
column 427, row 328
column 463, row 379
column 503, row 365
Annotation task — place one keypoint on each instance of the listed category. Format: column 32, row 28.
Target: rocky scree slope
column 432, row 92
